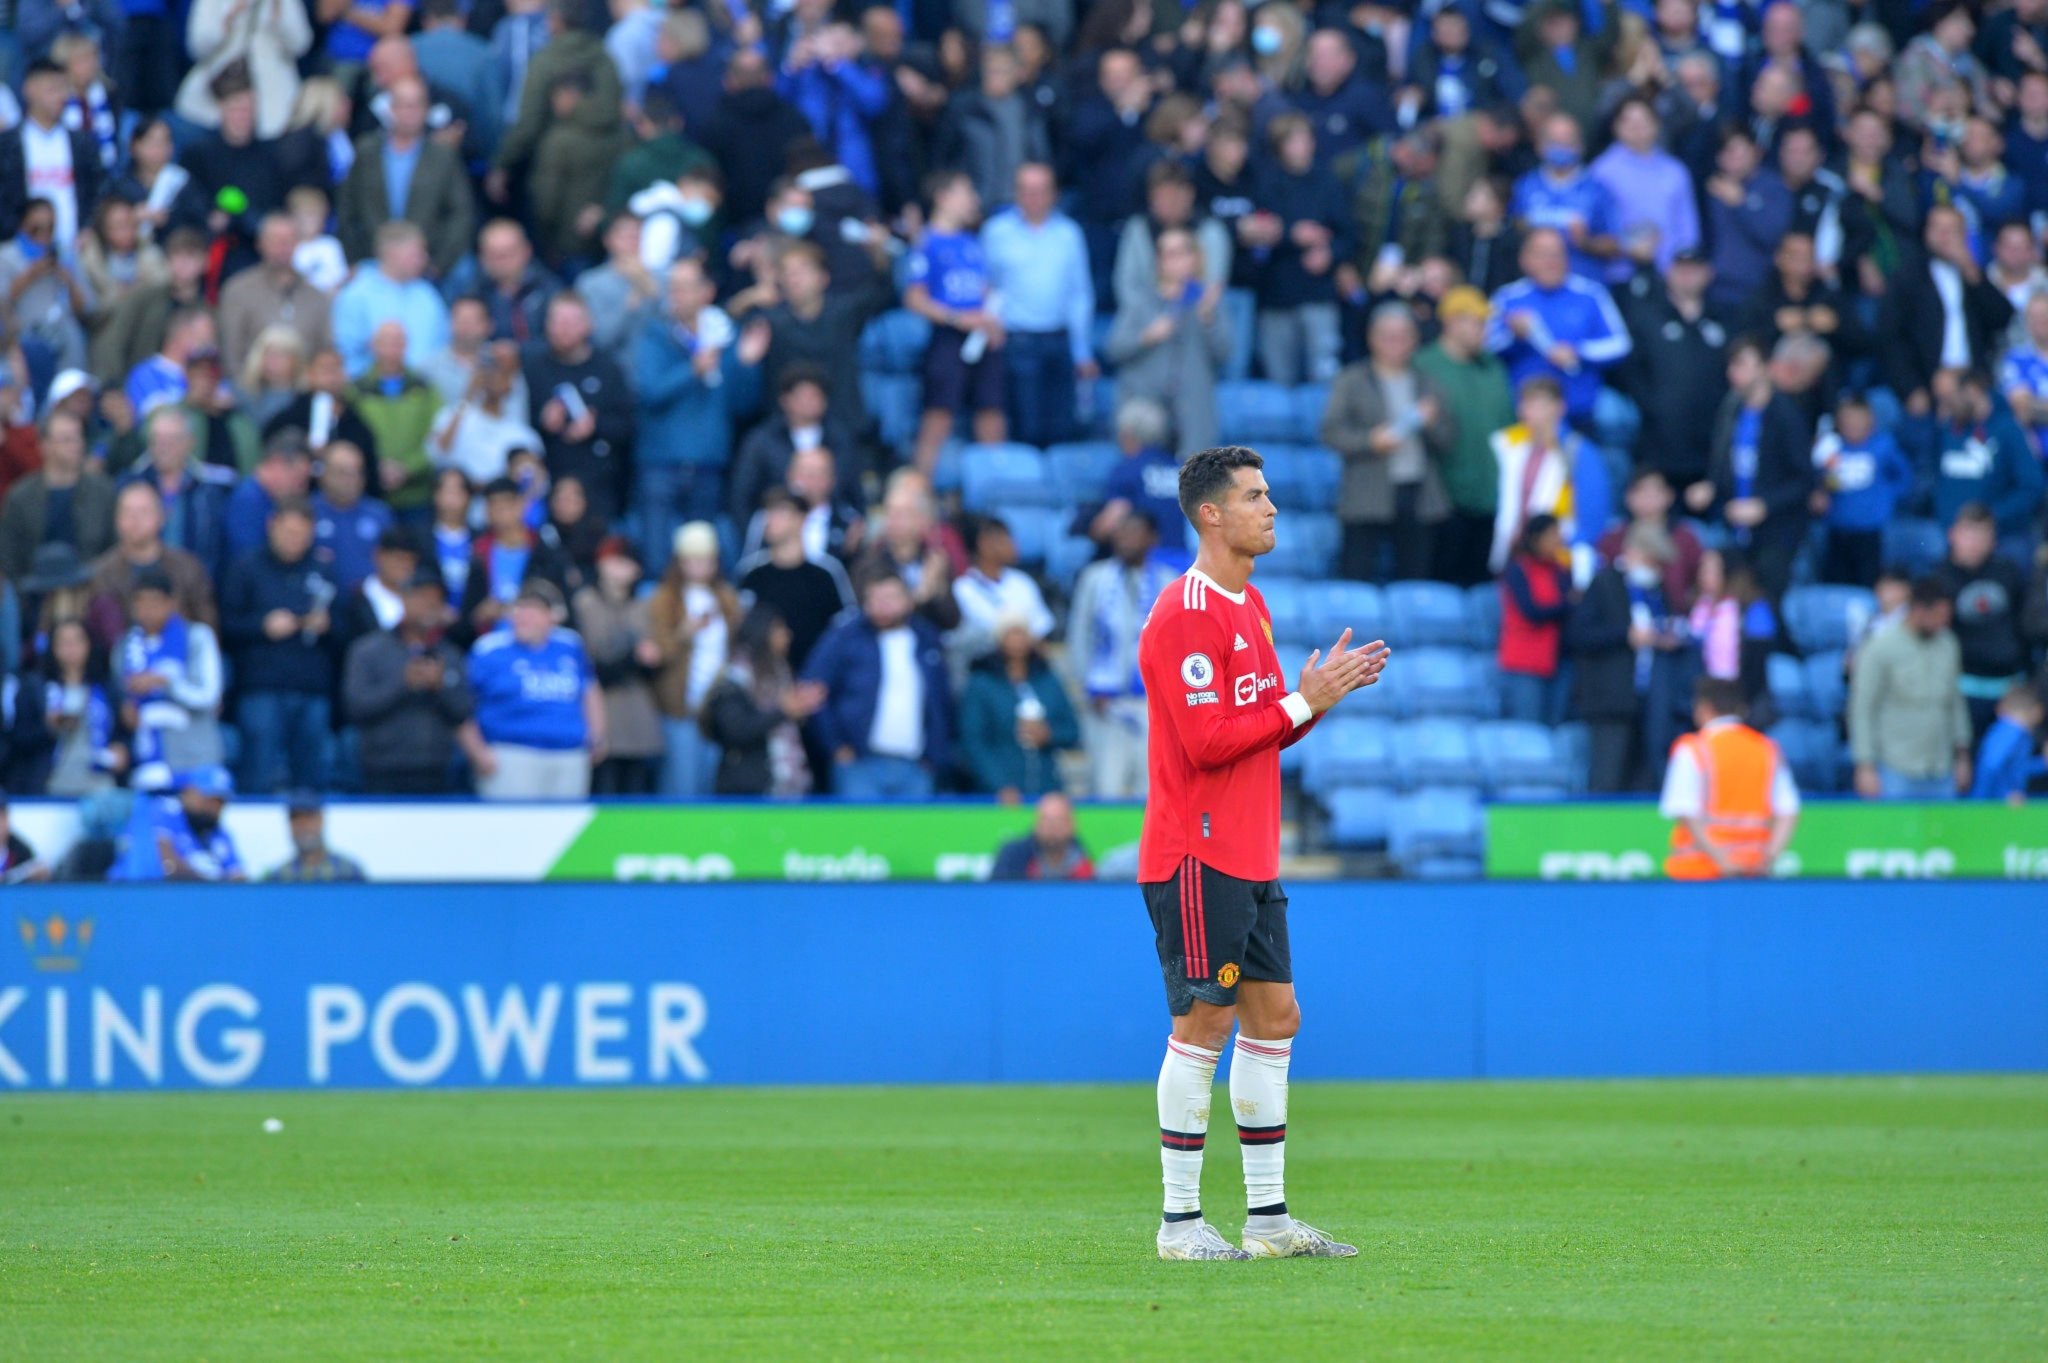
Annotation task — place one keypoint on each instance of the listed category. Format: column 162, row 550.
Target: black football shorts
column 1214, row 930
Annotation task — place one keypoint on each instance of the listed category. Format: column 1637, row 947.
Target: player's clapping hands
column 1325, row 680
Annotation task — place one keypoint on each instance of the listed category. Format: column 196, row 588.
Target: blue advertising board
column 261, row 987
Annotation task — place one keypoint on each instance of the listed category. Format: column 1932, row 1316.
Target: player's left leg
column 1268, row 1018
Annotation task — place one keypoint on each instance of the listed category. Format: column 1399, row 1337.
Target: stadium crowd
column 545, row 398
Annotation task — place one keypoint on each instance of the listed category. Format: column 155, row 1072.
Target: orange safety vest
column 1737, row 766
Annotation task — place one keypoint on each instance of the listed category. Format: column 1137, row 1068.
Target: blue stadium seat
column 1826, row 685
column 1285, row 598
column 1330, row 608
column 1917, row 545
column 1448, row 868
column 1359, row 816
column 1000, row 478
column 1785, row 676
column 1433, row 824
column 1435, row 752
column 1307, row 546
column 1066, row 556
column 895, row 342
column 1302, row 478
column 1513, row 754
column 1252, row 412
column 1309, row 401
column 1574, row 743
column 1348, row 752
column 1428, row 613
column 1036, row 529
column 1081, row 469
column 897, row 401
column 1824, row 618
column 1813, row 750
column 1530, row 795
column 1482, row 615
column 1429, row 682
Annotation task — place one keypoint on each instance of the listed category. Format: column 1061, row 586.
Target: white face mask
column 1641, row 575
column 694, row 211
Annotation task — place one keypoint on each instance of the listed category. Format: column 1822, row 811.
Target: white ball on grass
column 272, row 1125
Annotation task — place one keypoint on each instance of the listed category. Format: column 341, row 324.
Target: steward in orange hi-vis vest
column 1728, row 792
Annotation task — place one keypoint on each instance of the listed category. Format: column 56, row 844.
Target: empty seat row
column 1412, row 614
column 1504, row 757
column 1814, row 687
column 1436, row 833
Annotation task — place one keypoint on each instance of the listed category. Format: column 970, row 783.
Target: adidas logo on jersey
column 1240, row 646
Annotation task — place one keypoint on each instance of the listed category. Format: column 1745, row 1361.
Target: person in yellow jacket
column 1728, row 792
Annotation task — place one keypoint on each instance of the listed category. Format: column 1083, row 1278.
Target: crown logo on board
column 56, row 942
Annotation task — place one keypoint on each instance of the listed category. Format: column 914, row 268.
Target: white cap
column 66, row 383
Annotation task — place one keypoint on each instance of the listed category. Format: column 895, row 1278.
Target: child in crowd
column 949, row 286
column 1865, row 477
column 319, row 256
column 1534, row 599
column 2012, row 754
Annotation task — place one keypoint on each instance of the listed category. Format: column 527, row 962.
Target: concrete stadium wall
column 193, row 987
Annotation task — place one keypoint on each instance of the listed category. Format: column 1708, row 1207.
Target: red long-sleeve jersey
column 1220, row 714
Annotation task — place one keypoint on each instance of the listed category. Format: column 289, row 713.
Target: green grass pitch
column 1797, row 1219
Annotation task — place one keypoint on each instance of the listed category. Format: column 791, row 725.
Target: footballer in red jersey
column 1209, row 861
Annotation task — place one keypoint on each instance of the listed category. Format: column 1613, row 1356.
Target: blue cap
column 212, row 780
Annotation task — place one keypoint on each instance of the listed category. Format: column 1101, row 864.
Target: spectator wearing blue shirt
column 346, row 523
column 1038, row 268
column 1748, row 210
column 1563, row 195
column 1971, row 175
column 161, row 378
column 839, row 94
column 887, row 715
column 277, row 618
column 1147, row 479
column 1866, row 477
column 949, row 287
column 1345, row 109
column 2011, row 756
column 180, row 836
column 1554, row 324
column 540, row 721
column 1985, row 457
column 2023, row 378
column 194, row 494
column 2026, row 139
column 356, row 25
column 393, row 289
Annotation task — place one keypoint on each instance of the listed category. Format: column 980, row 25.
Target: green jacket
column 401, row 422
column 1420, row 227
column 571, row 53
column 1476, row 392
column 655, row 161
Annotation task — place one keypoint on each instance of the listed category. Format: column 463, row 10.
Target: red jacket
column 1532, row 611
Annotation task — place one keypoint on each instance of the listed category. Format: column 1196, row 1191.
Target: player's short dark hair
column 1212, row 472
column 1720, row 694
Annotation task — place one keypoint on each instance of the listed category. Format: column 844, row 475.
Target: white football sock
column 1186, row 1080
column 1258, row 1092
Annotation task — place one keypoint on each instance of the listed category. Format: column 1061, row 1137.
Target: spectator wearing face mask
column 1563, row 195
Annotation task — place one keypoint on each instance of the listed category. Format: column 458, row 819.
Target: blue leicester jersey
column 158, row 826
column 531, row 697
column 952, row 268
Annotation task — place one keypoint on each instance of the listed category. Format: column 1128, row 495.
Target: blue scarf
column 164, row 654
column 98, row 717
